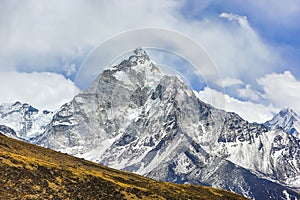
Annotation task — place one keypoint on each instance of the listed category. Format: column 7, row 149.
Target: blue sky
column 254, row 44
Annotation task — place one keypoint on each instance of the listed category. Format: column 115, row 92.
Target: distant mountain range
column 286, row 119
column 136, row 118
column 26, row 121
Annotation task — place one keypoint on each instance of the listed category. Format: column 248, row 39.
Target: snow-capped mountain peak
column 25, row 120
column 286, row 119
column 136, row 71
column 288, row 113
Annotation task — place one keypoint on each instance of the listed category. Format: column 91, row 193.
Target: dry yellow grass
column 31, row 172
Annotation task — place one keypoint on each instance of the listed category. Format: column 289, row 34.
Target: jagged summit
column 17, row 103
column 135, row 71
column 286, row 119
column 288, row 112
column 141, row 53
column 138, row 57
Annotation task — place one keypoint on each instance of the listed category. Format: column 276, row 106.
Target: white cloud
column 42, row 34
column 58, row 30
column 277, row 91
column 49, row 35
column 249, row 93
column 282, row 89
column 41, row 90
column 236, row 49
column 246, row 109
column 242, row 20
column 227, row 82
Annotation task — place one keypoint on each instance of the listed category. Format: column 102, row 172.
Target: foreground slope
column 31, row 172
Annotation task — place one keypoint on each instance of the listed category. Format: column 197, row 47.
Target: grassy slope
column 31, row 172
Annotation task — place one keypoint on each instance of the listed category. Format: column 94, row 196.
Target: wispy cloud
column 227, row 82
column 242, row 20
column 236, row 49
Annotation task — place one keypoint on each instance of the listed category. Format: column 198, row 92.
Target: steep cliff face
column 137, row 118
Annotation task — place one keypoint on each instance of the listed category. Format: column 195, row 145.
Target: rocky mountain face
column 288, row 120
column 136, row 118
column 22, row 121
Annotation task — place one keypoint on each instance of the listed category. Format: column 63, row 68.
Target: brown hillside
column 31, row 172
